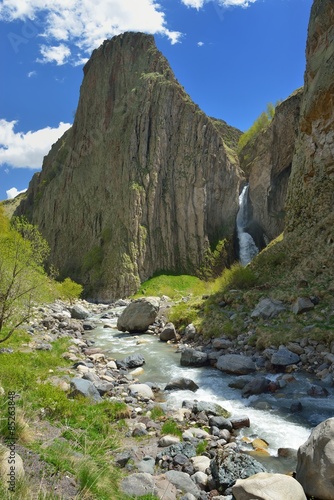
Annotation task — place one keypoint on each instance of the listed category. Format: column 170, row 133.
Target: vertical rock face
column 267, row 161
column 143, row 180
column 310, row 202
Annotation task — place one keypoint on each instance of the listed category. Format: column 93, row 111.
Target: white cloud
column 13, row 192
column 26, row 150
column 198, row 4
column 31, row 74
column 200, row 44
column 84, row 24
column 58, row 54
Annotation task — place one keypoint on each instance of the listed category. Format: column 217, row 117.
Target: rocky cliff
column 266, row 161
column 310, row 200
column 142, row 182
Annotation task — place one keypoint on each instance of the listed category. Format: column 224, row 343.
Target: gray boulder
column 183, row 482
column 284, row 357
column 138, row 315
column 266, row 486
column 228, row 466
column 79, row 312
column 268, row 308
column 302, row 304
column 181, row 384
column 209, row 408
column 138, row 485
column 193, row 357
column 133, row 361
column 141, row 390
column 236, row 364
column 168, row 332
column 220, row 423
column 84, row 388
column 315, row 462
column 258, row 385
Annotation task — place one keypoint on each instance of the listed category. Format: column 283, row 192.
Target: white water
column 247, row 248
column 163, row 364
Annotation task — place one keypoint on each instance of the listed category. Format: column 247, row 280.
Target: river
column 274, row 422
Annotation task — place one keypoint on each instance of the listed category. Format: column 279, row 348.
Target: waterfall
column 247, row 247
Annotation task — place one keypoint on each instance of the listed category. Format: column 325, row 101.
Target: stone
column 200, row 463
column 168, row 440
column 209, row 408
column 183, row 448
column 302, row 304
column 201, row 479
column 221, row 343
column 138, row 484
column 193, row 357
column 134, row 360
column 315, row 462
column 258, row 385
column 236, row 364
column 240, row 422
column 183, row 482
column 138, row 315
column 181, row 384
column 79, row 312
column 168, row 332
column 221, row 423
column 228, row 466
column 84, row 388
column 268, row 308
column 11, row 467
column 190, row 332
column 268, row 486
column 142, row 390
column 165, row 490
column 283, row 357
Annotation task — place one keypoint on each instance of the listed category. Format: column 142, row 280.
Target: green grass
column 173, row 286
column 90, row 432
column 171, row 427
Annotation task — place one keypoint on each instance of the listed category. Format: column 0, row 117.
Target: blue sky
column 232, row 57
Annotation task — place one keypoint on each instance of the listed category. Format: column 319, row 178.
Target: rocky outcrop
column 315, row 462
column 266, row 161
column 310, row 199
column 143, row 180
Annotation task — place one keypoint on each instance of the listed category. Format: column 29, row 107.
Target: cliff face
column 310, row 202
column 267, row 161
column 143, row 180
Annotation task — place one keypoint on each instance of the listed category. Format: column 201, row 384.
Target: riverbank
column 131, row 424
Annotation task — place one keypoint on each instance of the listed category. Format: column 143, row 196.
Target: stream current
column 274, row 422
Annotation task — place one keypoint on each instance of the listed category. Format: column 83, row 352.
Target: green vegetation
column 89, row 433
column 171, row 427
column 23, row 280
column 201, row 447
column 260, row 124
column 171, row 285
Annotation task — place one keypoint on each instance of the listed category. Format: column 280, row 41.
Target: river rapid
column 270, row 415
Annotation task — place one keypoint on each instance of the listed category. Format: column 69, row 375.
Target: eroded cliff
column 310, row 200
column 143, row 180
column 266, row 161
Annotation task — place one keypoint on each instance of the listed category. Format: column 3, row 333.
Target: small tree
column 22, row 280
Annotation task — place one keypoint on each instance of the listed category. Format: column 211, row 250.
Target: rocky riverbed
column 208, row 457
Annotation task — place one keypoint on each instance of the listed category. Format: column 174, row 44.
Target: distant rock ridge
column 266, row 161
column 142, row 182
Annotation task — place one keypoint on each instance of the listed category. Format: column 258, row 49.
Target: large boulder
column 138, row 315
column 228, row 466
column 268, row 308
column 168, row 333
column 268, row 486
column 181, row 384
column 84, row 388
column 79, row 312
column 284, row 357
column 315, row 462
column 193, row 357
column 183, row 482
column 139, row 484
column 236, row 364
column 141, row 390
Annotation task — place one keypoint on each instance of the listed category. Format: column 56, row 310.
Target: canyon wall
column 143, row 181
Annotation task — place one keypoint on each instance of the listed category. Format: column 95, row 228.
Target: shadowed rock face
column 267, row 161
column 142, row 182
column 311, row 189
